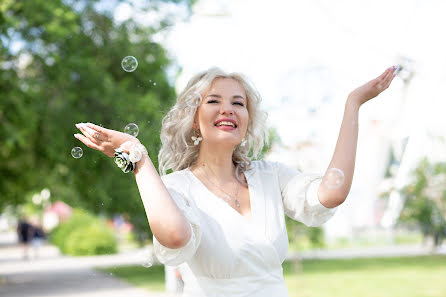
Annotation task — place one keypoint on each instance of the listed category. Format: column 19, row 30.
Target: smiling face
column 223, row 116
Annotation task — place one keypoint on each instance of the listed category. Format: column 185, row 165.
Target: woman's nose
column 226, row 107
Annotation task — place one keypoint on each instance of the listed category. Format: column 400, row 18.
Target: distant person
column 219, row 216
column 25, row 233
column 37, row 239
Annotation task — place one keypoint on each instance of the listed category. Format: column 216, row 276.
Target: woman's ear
column 195, row 124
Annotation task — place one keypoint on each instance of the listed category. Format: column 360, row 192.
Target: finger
column 97, row 128
column 385, row 78
column 103, row 132
column 91, row 134
column 390, row 79
column 384, row 74
column 87, row 141
column 390, row 75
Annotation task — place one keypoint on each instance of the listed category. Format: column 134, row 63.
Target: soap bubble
column 147, row 261
column 334, row 178
column 132, row 129
column 77, row 152
column 145, row 257
column 194, row 99
column 129, row 64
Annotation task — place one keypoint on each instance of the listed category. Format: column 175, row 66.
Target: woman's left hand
column 373, row 88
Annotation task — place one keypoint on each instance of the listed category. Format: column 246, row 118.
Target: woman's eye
column 239, row 103
column 212, row 101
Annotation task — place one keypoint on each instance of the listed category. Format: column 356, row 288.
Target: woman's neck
column 217, row 161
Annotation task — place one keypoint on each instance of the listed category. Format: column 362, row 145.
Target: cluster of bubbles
column 334, row 178
column 129, row 64
column 77, row 152
column 132, row 129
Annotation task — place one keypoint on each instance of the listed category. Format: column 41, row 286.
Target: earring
column 243, row 143
column 198, row 138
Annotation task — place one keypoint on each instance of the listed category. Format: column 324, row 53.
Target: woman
column 219, row 215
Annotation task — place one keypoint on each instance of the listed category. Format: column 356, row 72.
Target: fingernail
column 75, row 135
column 77, row 125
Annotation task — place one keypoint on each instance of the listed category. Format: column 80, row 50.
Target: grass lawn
column 151, row 278
column 377, row 277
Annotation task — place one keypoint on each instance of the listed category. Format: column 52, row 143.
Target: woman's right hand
column 102, row 139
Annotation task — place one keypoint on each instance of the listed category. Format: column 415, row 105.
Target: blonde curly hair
column 177, row 149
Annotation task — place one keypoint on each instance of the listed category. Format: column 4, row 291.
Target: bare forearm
column 167, row 222
column 344, row 157
column 345, row 152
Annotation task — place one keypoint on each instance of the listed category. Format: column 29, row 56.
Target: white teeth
column 224, row 123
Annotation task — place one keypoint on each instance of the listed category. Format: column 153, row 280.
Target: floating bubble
column 334, row 178
column 145, row 257
column 194, row 99
column 129, row 64
column 154, row 83
column 132, row 129
column 77, row 152
column 147, row 262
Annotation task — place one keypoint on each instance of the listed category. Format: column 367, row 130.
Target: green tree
column 60, row 65
column 425, row 203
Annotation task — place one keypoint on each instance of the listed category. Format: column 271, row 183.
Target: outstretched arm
column 167, row 222
column 331, row 194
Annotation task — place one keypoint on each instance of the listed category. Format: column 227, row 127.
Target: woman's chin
column 224, row 142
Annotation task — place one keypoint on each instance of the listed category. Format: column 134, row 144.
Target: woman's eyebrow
column 238, row 97
column 219, row 96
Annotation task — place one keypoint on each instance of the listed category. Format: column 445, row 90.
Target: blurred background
column 67, row 212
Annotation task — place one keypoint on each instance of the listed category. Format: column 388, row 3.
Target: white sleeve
column 300, row 199
column 174, row 257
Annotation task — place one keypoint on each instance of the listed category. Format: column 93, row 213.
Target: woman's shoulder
column 176, row 177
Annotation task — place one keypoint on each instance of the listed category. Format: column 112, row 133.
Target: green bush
column 61, row 233
column 84, row 234
column 95, row 239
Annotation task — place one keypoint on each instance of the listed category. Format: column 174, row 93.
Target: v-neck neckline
column 248, row 219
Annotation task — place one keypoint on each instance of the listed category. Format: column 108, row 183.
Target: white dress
column 229, row 254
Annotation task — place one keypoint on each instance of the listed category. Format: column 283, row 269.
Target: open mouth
column 226, row 124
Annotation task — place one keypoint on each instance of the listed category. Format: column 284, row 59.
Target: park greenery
column 61, row 65
column 84, row 234
column 425, row 200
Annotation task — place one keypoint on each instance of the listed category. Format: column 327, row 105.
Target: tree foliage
column 426, row 199
column 60, row 65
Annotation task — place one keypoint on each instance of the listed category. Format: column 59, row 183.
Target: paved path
column 54, row 275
